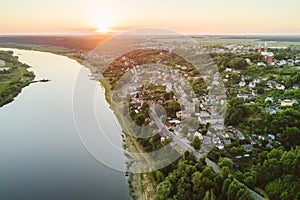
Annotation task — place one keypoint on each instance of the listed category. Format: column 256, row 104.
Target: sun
column 102, row 23
column 102, row 26
column 102, row 29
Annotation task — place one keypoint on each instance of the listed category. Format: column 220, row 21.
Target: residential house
column 217, row 119
column 256, row 80
column 254, row 93
column 220, row 146
column 227, row 142
column 169, row 126
column 243, row 96
column 281, row 63
column 204, row 117
column 271, row 137
column 291, row 62
column 240, row 135
column 269, row 99
column 271, row 111
column 163, row 139
column 270, row 83
column 228, row 70
column 189, row 107
column 252, row 85
column 198, row 134
column 242, row 84
column 249, row 62
column 175, row 121
column 287, row 102
column 295, row 86
column 261, row 64
column 181, row 114
column 279, row 86
column 248, row 147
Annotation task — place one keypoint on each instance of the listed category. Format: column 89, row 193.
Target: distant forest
column 278, row 38
column 71, row 42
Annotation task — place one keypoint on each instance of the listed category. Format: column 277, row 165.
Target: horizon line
column 110, row 34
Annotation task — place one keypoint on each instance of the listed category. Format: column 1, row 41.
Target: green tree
column 163, row 190
column 199, row 86
column 172, row 108
column 139, row 118
column 196, row 180
column 225, row 171
column 159, row 176
column 196, row 143
column 225, row 162
column 293, row 136
column 260, row 90
column 236, row 112
column 238, row 63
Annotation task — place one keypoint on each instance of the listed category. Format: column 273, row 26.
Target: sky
column 218, row 17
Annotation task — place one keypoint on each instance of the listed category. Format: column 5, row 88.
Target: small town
column 259, row 90
column 147, row 82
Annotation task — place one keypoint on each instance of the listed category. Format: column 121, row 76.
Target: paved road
column 163, row 131
column 213, row 165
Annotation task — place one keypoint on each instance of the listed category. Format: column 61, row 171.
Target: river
column 41, row 154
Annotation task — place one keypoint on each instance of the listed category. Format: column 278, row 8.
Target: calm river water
column 41, row 155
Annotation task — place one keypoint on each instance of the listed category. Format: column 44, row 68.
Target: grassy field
column 248, row 41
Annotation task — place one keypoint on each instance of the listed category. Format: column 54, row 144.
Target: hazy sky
column 189, row 16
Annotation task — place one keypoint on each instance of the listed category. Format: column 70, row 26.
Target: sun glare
column 103, row 22
column 103, row 29
column 102, row 26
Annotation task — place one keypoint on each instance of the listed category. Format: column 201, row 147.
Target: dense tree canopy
column 238, row 63
column 193, row 180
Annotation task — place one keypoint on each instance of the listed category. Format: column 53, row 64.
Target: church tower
column 258, row 51
column 266, row 47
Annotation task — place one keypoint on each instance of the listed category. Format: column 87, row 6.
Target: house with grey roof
column 269, row 99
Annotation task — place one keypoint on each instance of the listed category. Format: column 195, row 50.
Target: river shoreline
column 15, row 87
column 140, row 185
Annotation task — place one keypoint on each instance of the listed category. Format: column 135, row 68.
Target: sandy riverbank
column 141, row 185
